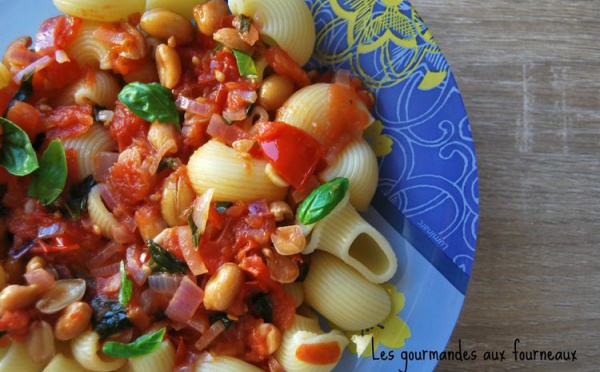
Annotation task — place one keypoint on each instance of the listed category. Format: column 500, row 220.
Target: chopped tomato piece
column 129, row 181
column 26, row 116
column 284, row 308
column 126, row 126
column 293, row 152
column 67, row 121
column 320, row 353
column 55, row 33
column 55, row 76
column 347, row 119
column 284, row 65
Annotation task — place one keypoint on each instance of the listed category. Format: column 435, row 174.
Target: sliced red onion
column 247, row 95
column 218, row 128
column 135, row 268
column 121, row 234
column 102, row 164
column 104, row 254
column 201, row 209
column 209, row 336
column 166, row 284
column 185, row 302
column 106, row 270
column 205, row 109
column 342, row 77
column 199, row 322
column 64, row 293
column 234, row 115
column 33, row 67
column 53, row 230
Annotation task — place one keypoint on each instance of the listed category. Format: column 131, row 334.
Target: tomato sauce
column 321, row 353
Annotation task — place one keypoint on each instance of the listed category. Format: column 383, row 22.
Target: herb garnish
column 245, row 63
column 110, row 317
column 126, row 286
column 163, row 261
column 16, row 153
column 322, row 200
column 49, row 179
column 143, row 345
column 151, row 102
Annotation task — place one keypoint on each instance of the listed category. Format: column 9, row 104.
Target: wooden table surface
column 529, row 73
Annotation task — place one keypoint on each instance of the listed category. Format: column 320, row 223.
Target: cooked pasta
column 62, row 363
column 357, row 163
column 86, row 50
column 160, row 360
column 346, row 235
column 100, row 10
column 188, row 195
column 88, row 146
column 225, row 363
column 306, row 333
column 342, row 295
column 287, row 24
column 16, row 358
column 86, row 349
column 233, row 176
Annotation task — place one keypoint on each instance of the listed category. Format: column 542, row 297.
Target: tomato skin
column 284, row 65
column 126, row 126
column 293, row 152
column 27, row 117
column 67, row 121
column 130, row 182
column 321, row 353
column 55, row 33
column 54, row 77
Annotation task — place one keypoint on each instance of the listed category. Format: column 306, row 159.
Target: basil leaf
column 151, row 102
column 77, row 198
column 23, row 93
column 110, row 317
column 49, row 179
column 163, row 261
column 16, row 153
column 194, row 228
column 245, row 63
column 126, row 286
column 143, row 345
column 322, row 200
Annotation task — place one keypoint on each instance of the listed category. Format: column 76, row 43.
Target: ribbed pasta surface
column 233, row 176
column 183, row 7
column 289, row 24
column 342, row 295
column 62, row 363
column 100, row 10
column 225, row 363
column 86, row 50
column 87, row 146
column 358, row 163
column 85, row 348
column 161, row 360
column 307, row 109
column 99, row 215
column 346, row 235
column 17, row 359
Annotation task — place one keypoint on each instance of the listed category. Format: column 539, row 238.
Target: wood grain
column 529, row 73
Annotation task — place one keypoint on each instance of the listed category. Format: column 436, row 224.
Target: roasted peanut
column 35, row 263
column 268, row 338
column 274, row 91
column 163, row 24
column 168, row 65
column 16, row 297
column 163, row 138
column 230, row 37
column 40, row 342
column 74, row 321
column 223, row 287
column 177, row 196
column 208, row 16
column 288, row 240
column 281, row 210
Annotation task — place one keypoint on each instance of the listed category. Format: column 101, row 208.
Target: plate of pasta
column 211, row 185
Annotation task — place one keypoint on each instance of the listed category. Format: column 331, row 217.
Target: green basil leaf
column 163, row 261
column 16, row 153
column 143, row 345
column 77, row 199
column 23, row 93
column 109, row 317
column 49, row 179
column 126, row 286
column 151, row 102
column 322, row 200
column 194, row 228
column 245, row 63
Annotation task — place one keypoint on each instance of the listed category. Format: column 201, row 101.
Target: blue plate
column 427, row 200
